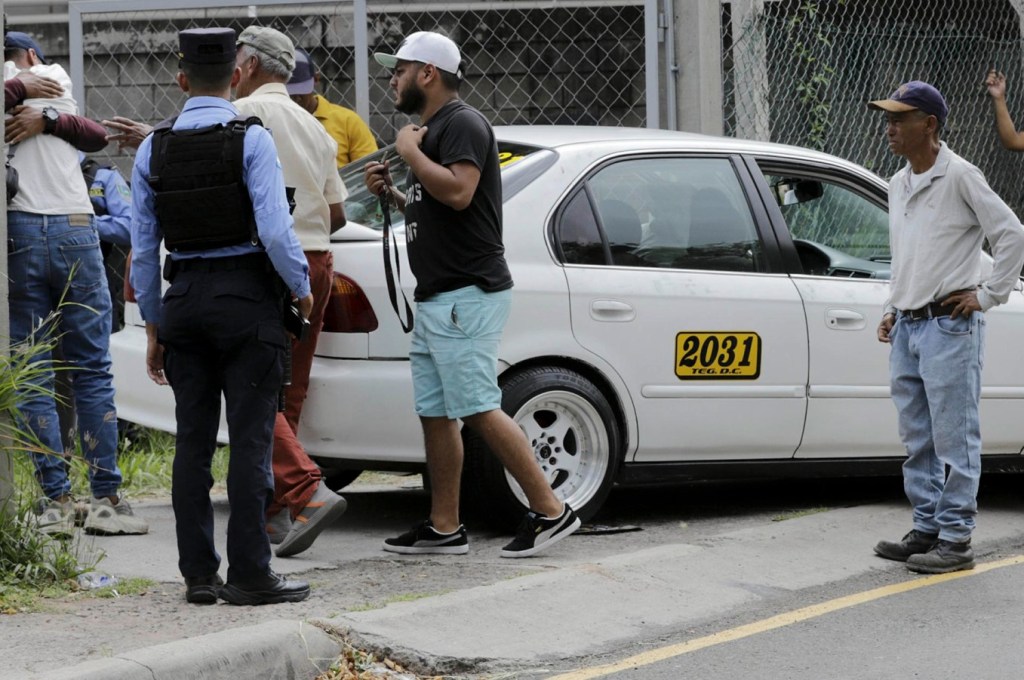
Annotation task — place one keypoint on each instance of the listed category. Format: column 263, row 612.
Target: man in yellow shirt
column 346, row 127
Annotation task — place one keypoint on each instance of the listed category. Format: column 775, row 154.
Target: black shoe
column 537, row 532
column 945, row 557
column 271, row 589
column 914, row 543
column 423, row 539
column 203, row 589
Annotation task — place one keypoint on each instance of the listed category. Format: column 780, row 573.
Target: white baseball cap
column 427, row 47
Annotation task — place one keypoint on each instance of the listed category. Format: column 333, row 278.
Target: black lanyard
column 396, row 275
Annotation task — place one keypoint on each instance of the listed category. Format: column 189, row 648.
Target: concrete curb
column 275, row 649
column 580, row 609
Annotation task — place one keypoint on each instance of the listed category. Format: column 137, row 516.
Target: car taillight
column 348, row 309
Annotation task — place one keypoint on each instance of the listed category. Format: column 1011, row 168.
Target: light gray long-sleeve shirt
column 936, row 231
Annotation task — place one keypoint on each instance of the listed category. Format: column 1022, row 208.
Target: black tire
column 575, row 437
column 337, row 479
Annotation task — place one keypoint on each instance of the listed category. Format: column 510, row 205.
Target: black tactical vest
column 201, row 199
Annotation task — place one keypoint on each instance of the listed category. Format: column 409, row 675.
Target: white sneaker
column 54, row 518
column 107, row 518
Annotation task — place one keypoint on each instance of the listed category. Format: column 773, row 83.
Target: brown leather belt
column 929, row 311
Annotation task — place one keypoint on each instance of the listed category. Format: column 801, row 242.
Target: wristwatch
column 50, row 116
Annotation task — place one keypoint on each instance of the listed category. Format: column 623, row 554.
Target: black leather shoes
column 271, row 589
column 203, row 589
column 944, row 557
column 914, row 543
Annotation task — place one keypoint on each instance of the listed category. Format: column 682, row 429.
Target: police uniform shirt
column 112, row 200
column 266, row 187
column 307, row 154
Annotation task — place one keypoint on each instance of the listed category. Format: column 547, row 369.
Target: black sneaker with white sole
column 423, row 539
column 537, row 532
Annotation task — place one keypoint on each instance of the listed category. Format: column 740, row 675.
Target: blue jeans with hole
column 55, row 259
column 935, row 370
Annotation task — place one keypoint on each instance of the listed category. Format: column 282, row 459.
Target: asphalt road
column 967, row 627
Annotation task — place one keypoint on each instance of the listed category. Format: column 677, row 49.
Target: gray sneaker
column 278, row 526
column 914, row 543
column 323, row 508
column 54, row 518
column 107, row 518
column 945, row 557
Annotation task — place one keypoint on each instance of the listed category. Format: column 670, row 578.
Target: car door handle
column 844, row 320
column 611, row 310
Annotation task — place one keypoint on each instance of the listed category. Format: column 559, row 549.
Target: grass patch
column 123, row 588
column 145, row 458
column 798, row 513
column 35, row 567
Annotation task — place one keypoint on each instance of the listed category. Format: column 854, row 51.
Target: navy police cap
column 206, row 45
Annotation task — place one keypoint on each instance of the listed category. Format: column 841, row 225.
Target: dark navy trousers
column 222, row 332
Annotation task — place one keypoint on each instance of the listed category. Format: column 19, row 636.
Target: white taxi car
column 684, row 307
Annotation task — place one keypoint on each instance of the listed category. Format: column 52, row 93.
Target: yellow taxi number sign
column 718, row 356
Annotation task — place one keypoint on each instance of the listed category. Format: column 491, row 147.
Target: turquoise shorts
column 454, row 352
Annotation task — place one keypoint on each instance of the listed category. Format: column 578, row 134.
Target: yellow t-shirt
column 346, row 127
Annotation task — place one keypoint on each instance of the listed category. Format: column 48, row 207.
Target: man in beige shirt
column 265, row 61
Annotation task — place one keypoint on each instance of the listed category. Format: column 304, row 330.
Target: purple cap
column 16, row 40
column 915, row 95
column 301, row 81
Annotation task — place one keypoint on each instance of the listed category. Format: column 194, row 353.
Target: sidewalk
column 501, row 624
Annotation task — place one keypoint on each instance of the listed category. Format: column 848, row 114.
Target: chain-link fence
column 526, row 62
column 801, row 71
column 571, row 62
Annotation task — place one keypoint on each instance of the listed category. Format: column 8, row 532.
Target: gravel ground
column 83, row 627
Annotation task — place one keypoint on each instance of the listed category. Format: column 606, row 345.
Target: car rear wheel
column 574, row 436
column 337, row 478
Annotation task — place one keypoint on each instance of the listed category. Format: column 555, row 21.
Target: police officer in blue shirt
column 112, row 201
column 210, row 187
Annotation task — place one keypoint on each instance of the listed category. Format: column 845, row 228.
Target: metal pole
column 651, row 63
column 6, row 459
column 360, row 27
column 671, row 65
column 76, row 55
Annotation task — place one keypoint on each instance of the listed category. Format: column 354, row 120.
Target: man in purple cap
column 59, row 290
column 346, row 127
column 941, row 210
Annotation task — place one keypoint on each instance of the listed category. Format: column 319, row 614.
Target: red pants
column 296, row 477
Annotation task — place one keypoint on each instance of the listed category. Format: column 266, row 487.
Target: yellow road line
column 779, row 621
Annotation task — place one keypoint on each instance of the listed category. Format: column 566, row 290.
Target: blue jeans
column 42, row 252
column 935, row 368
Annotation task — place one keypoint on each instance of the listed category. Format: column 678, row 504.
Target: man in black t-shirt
column 452, row 207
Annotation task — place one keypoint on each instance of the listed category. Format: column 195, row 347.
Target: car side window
column 684, row 213
column 837, row 231
column 577, row 232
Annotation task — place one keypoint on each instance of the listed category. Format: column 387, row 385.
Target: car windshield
column 364, row 208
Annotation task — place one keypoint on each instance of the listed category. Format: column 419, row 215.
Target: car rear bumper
column 356, row 410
